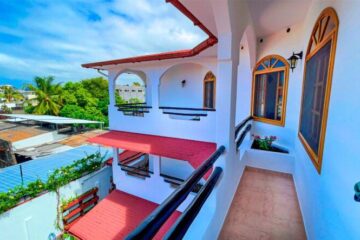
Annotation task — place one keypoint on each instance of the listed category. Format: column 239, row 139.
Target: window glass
column 319, row 63
column 313, row 102
column 209, row 90
column 268, row 95
column 209, row 96
column 269, row 90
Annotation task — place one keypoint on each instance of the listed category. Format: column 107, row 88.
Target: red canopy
column 195, row 152
column 116, row 216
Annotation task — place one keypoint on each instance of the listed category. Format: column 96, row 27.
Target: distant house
column 130, row 92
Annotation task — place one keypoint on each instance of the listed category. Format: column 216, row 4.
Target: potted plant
column 266, row 144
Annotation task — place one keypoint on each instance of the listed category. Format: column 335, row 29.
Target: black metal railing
column 240, row 138
column 189, row 112
column 151, row 225
column 241, row 125
column 189, row 109
column 182, row 224
column 136, row 109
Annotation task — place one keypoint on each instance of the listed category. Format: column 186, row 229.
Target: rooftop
column 14, row 132
column 47, row 119
column 41, row 167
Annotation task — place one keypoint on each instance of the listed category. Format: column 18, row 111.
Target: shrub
column 56, row 179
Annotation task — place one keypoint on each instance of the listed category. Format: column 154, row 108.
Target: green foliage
column 137, row 84
column 5, row 109
column 134, row 100
column 56, row 179
column 48, row 96
column 264, row 143
column 87, row 99
column 67, row 236
column 10, row 94
column 65, row 202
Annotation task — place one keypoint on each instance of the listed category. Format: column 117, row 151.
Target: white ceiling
column 202, row 10
column 270, row 16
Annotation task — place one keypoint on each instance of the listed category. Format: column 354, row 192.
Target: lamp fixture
column 183, row 82
column 293, row 59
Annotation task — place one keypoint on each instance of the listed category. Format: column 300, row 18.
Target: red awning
column 195, row 152
column 116, row 216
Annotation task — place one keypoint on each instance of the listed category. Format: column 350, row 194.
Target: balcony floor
column 265, row 206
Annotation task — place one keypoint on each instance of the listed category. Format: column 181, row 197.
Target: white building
column 195, row 102
column 131, row 92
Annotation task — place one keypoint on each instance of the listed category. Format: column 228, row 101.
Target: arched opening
column 130, row 87
column 244, row 79
column 183, row 85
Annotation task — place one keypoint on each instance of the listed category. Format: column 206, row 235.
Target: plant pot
column 272, row 148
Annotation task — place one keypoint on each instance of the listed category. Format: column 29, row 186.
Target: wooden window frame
column 214, row 93
column 271, row 69
column 329, row 13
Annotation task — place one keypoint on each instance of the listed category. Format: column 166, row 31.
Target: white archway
column 182, row 85
column 130, row 87
column 247, row 59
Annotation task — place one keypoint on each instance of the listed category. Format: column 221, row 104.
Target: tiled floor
column 265, row 206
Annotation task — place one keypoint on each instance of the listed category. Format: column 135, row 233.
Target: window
column 209, row 90
column 319, row 64
column 270, row 89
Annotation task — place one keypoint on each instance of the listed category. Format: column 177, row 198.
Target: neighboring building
column 24, row 136
column 28, row 95
column 131, row 92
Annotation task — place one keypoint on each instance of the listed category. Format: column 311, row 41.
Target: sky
column 42, row 37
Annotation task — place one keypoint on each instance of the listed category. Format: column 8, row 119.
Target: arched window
column 269, row 90
column 209, row 90
column 319, row 61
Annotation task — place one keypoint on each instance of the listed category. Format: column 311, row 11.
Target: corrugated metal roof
column 42, row 167
column 47, row 118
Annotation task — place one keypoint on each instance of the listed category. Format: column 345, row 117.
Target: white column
column 153, row 77
column 112, row 78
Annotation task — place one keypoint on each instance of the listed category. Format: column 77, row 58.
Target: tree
column 5, row 109
column 48, row 96
column 136, row 84
column 10, row 94
column 97, row 87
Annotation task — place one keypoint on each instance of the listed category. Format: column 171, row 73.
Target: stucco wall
column 326, row 199
column 172, row 93
column 35, row 220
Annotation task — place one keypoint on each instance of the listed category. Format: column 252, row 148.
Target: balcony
column 265, row 206
column 178, row 102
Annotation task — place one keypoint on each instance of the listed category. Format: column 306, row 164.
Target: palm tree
column 10, row 94
column 48, row 96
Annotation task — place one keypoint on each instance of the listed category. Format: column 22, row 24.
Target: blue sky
column 42, row 37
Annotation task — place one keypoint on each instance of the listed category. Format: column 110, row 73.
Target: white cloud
column 56, row 37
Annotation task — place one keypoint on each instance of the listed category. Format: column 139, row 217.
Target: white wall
column 244, row 80
column 156, row 122
column 326, row 199
column 173, row 94
column 35, row 220
column 284, row 44
column 38, row 140
column 152, row 188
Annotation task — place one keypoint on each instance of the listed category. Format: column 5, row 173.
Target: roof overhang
column 209, row 42
column 194, row 152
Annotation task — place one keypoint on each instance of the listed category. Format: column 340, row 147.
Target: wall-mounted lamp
column 293, row 59
column 357, row 192
column 183, row 82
